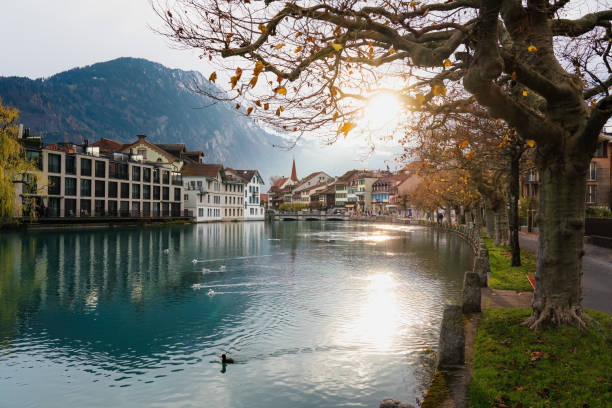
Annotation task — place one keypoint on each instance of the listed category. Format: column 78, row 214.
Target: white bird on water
column 222, row 268
column 195, row 261
column 196, row 286
column 211, row 292
column 205, row 271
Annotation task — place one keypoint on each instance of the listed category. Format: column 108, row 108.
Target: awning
column 349, row 205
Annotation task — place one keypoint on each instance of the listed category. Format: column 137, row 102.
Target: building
column 204, row 190
column 346, row 195
column 253, row 206
column 79, row 180
column 233, row 199
column 280, row 191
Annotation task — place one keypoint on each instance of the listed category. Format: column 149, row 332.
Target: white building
column 203, row 187
column 253, row 208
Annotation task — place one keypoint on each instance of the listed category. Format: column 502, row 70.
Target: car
column 338, row 211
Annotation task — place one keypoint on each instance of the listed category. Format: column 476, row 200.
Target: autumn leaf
column 464, row 144
column 470, row 156
column 249, row 111
column 258, row 103
column 513, row 76
column 237, row 106
column 525, row 93
column 426, row 12
column 213, row 77
column 234, row 81
column 532, row 48
column 278, row 111
column 346, row 128
column 266, row 106
column 253, row 82
column 336, row 47
column 392, row 51
column 335, row 116
column 413, row 4
column 297, row 34
column 262, row 28
column 282, row 90
column 438, row 90
column 419, row 97
column 259, row 66
column 447, row 63
column 530, row 142
column 279, row 46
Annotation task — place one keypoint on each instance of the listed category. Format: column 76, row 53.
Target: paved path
column 597, row 278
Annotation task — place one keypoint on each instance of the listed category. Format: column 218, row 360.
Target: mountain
column 124, row 97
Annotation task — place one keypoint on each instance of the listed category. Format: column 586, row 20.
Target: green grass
column 437, row 392
column 562, row 367
column 504, row 276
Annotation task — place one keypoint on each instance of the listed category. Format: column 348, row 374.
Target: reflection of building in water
column 236, row 238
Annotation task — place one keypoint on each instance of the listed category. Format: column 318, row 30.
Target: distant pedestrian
column 440, row 218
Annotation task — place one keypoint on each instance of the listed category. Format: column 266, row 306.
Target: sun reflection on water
column 378, row 318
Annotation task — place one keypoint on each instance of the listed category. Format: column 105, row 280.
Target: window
column 100, row 169
column 100, row 188
column 125, row 190
column 54, row 163
column 55, row 185
column 70, row 207
column 177, row 194
column 135, row 173
column 186, row 197
column 35, row 157
column 85, row 188
column 112, row 189
column 156, row 194
column 119, row 171
column 146, row 175
column 601, row 150
column 136, row 191
column 166, row 194
column 143, row 153
column 146, row 192
column 71, row 167
column 200, row 212
column 592, row 172
column 226, row 212
column 166, row 177
column 70, row 187
column 85, row 167
column 85, row 206
column 112, row 206
column 156, row 175
column 99, row 207
column 591, row 196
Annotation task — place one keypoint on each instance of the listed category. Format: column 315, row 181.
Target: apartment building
column 233, row 198
column 204, row 190
column 78, row 181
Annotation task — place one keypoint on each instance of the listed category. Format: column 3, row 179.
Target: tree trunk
column 513, row 213
column 558, row 281
column 478, row 220
column 490, row 220
column 501, row 227
column 449, row 220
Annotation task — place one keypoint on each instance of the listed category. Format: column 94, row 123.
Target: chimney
column 141, row 138
column 20, row 134
column 26, row 133
column 86, row 142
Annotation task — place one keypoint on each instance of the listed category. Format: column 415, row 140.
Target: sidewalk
column 597, row 273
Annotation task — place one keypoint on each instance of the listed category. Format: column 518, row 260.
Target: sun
column 382, row 113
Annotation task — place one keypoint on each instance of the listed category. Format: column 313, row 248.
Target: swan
column 225, row 360
column 195, row 261
column 205, row 271
column 222, row 267
column 211, row 292
column 196, row 286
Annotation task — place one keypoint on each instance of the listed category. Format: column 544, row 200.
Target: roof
column 247, row 175
column 201, row 170
column 108, row 145
column 143, row 139
column 278, row 183
column 232, row 176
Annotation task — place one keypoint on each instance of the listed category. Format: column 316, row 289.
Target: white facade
column 203, row 197
column 253, row 210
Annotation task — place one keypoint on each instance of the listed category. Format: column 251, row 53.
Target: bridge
column 307, row 216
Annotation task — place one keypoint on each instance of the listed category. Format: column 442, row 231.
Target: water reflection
column 317, row 314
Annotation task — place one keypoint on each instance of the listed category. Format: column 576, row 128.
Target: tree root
column 557, row 316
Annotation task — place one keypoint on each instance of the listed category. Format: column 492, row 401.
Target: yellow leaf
column 525, row 93
column 469, row 156
column 439, row 90
column 297, row 34
column 336, row 47
column 391, row 51
column 447, row 63
column 278, row 111
column 420, row 98
column 259, row 66
column 282, row 90
column 213, row 77
column 298, row 49
column 335, row 116
column 262, row 28
column 234, row 81
column 426, row 12
column 346, row 128
column 530, row 142
column 253, row 82
column 258, row 103
column 464, row 144
column 532, row 48
column 413, row 4
column 513, row 76
column 279, row 46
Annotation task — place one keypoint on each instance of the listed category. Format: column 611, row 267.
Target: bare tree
column 314, row 64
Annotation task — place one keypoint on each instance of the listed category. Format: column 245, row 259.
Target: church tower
column 293, row 172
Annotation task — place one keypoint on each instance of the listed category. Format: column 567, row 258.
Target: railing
column 47, row 212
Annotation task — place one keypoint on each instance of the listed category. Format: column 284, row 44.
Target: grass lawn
column 504, row 276
column 518, row 367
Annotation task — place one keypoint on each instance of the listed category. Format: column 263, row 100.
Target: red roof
column 201, row 170
column 108, row 145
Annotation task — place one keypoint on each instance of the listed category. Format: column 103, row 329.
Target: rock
column 452, row 338
column 481, row 268
column 393, row 403
column 471, row 293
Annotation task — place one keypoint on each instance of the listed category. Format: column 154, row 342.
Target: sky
column 48, row 37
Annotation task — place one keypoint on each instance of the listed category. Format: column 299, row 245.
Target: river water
column 315, row 314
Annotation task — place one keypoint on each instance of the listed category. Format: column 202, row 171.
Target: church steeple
column 293, row 172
